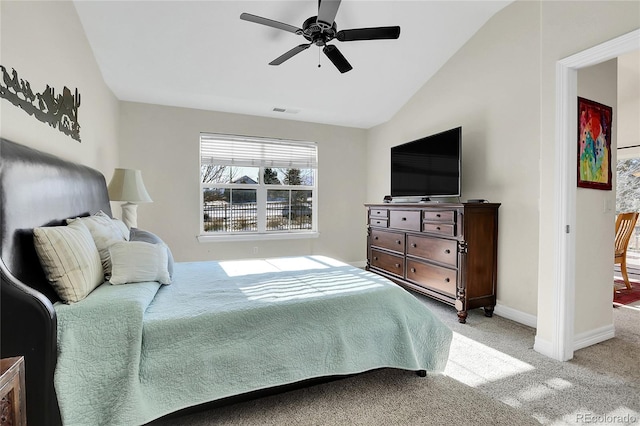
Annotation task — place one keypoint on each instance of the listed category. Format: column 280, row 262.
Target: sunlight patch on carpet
column 485, row 366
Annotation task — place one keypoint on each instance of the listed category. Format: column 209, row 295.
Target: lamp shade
column 127, row 185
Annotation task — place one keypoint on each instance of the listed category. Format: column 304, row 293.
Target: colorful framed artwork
column 594, row 144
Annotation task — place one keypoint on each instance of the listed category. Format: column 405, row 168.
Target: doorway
column 628, row 200
column 628, row 153
column 561, row 345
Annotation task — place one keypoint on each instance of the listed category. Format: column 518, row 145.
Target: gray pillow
column 136, row 234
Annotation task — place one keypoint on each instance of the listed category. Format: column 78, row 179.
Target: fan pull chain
column 318, row 57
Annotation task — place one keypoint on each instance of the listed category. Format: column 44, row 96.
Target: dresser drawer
column 388, row 240
column 440, row 228
column 379, row 213
column 439, row 216
column 405, row 219
column 432, row 276
column 436, row 249
column 382, row 223
column 388, row 262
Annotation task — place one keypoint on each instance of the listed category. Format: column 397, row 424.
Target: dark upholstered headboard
column 36, row 189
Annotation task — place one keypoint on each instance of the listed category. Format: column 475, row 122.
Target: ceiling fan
column 321, row 29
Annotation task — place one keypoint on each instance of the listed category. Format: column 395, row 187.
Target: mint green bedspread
column 131, row 353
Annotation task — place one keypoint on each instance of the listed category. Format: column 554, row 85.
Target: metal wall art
column 59, row 111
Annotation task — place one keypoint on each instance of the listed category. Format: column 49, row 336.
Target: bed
column 127, row 354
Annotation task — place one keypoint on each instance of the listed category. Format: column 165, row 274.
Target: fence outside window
column 221, row 216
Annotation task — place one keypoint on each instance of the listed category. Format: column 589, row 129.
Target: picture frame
column 594, row 144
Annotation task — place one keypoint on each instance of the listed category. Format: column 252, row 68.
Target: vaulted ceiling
column 199, row 54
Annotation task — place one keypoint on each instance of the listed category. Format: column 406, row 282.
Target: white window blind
column 247, row 151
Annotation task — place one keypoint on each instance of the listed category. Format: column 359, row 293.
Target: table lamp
column 127, row 185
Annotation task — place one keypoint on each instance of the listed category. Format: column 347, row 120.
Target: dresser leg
column 422, row 373
column 488, row 311
column 462, row 317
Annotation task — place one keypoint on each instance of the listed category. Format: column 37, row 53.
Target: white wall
column 45, row 43
column 164, row 143
column 491, row 88
column 596, row 216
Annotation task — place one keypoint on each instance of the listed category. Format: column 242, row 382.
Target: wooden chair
column 625, row 222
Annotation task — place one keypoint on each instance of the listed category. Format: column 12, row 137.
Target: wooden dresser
column 445, row 251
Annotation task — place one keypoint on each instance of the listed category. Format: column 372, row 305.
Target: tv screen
column 428, row 167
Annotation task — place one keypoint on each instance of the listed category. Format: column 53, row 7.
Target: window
column 257, row 186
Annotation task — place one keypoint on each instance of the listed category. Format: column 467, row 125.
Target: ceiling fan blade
column 377, row 33
column 327, row 10
column 270, row 23
column 336, row 57
column 291, row 53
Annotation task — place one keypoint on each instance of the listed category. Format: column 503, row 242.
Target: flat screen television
column 428, row 167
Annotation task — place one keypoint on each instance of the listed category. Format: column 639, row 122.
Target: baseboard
column 361, row 264
column 516, row 315
column 592, row 337
column 580, row 341
column 543, row 346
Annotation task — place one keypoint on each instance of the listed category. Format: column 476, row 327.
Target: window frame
column 262, row 188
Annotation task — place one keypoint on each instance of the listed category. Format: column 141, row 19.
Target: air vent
column 288, row 111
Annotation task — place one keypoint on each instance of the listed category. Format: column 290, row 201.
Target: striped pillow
column 70, row 260
column 105, row 232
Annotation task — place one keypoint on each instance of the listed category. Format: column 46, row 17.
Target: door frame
column 562, row 342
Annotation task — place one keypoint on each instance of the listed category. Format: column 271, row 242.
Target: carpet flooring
column 625, row 296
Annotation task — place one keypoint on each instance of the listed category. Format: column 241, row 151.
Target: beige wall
column 45, row 42
column 491, row 88
column 164, row 143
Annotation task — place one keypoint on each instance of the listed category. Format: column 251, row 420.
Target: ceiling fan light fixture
column 320, row 30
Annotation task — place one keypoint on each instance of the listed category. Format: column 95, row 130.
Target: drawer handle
column 438, row 228
column 446, row 280
column 398, row 241
column 375, row 238
column 413, row 270
column 397, row 265
column 414, row 245
column 404, row 218
column 447, row 251
column 438, row 215
column 375, row 257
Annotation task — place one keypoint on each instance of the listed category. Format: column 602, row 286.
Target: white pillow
column 137, row 261
column 105, row 232
column 70, row 260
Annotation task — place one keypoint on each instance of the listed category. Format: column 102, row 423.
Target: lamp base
column 130, row 214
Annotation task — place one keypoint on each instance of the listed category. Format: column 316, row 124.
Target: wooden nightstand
column 12, row 404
